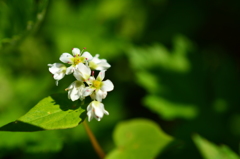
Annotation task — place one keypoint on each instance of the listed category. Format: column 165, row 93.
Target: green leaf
column 211, row 151
column 138, row 138
column 169, row 110
column 161, row 57
column 53, row 112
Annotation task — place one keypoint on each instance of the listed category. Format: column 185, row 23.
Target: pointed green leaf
column 211, row 151
column 53, row 112
column 138, row 138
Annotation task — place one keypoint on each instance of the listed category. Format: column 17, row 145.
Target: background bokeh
column 173, row 62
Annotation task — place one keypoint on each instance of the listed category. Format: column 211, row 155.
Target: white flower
column 97, row 88
column 75, row 90
column 82, row 72
column 96, row 109
column 58, row 70
column 74, row 60
column 98, row 64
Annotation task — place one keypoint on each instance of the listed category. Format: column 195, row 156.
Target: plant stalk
column 93, row 140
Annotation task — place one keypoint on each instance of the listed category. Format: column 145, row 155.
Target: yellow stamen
column 97, row 84
column 78, row 59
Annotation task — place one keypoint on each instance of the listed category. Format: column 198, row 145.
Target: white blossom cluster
column 82, row 66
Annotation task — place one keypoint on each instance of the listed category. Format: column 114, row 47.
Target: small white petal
column 102, row 66
column 107, row 86
column 90, row 115
column 75, row 90
column 103, row 109
column 87, row 91
column 58, row 70
column 84, row 71
column 56, row 67
column 96, row 109
column 99, row 95
column 72, row 93
column 98, row 112
column 104, row 95
column 87, row 56
column 75, row 51
column 66, row 58
column 96, row 59
column 90, row 80
column 69, row 70
column 101, row 75
column 99, row 64
column 58, row 76
column 77, row 74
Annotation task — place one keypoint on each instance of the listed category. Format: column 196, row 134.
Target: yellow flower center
column 76, row 60
column 97, row 84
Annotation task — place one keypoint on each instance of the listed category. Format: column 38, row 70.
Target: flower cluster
column 82, row 66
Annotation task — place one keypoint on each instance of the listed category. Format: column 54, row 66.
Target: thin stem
column 94, row 142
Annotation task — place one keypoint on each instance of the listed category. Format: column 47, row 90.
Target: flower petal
column 107, row 86
column 104, row 95
column 87, row 91
column 87, row 56
column 73, row 94
column 98, row 111
column 75, row 90
column 102, row 65
column 103, row 109
column 69, row 70
column 90, row 80
column 99, row 95
column 90, row 112
column 76, row 51
column 77, row 74
column 66, row 58
column 58, row 76
column 84, row 71
column 96, row 59
column 56, row 67
column 101, row 75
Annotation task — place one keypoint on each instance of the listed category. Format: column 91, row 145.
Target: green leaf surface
column 138, row 138
column 161, row 57
column 53, row 112
column 169, row 110
column 211, row 151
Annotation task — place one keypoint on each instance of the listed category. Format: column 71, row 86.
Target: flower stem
column 93, row 140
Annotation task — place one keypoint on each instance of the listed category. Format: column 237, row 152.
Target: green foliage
column 211, row 151
column 53, row 112
column 160, row 57
column 138, row 138
column 175, row 65
column 12, row 32
column 169, row 110
column 171, row 64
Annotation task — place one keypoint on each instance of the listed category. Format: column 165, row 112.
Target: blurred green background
column 173, row 62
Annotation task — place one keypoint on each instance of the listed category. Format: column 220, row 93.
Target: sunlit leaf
column 211, row 151
column 138, row 138
column 53, row 112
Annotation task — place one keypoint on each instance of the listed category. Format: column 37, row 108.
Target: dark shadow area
column 19, row 126
column 65, row 104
